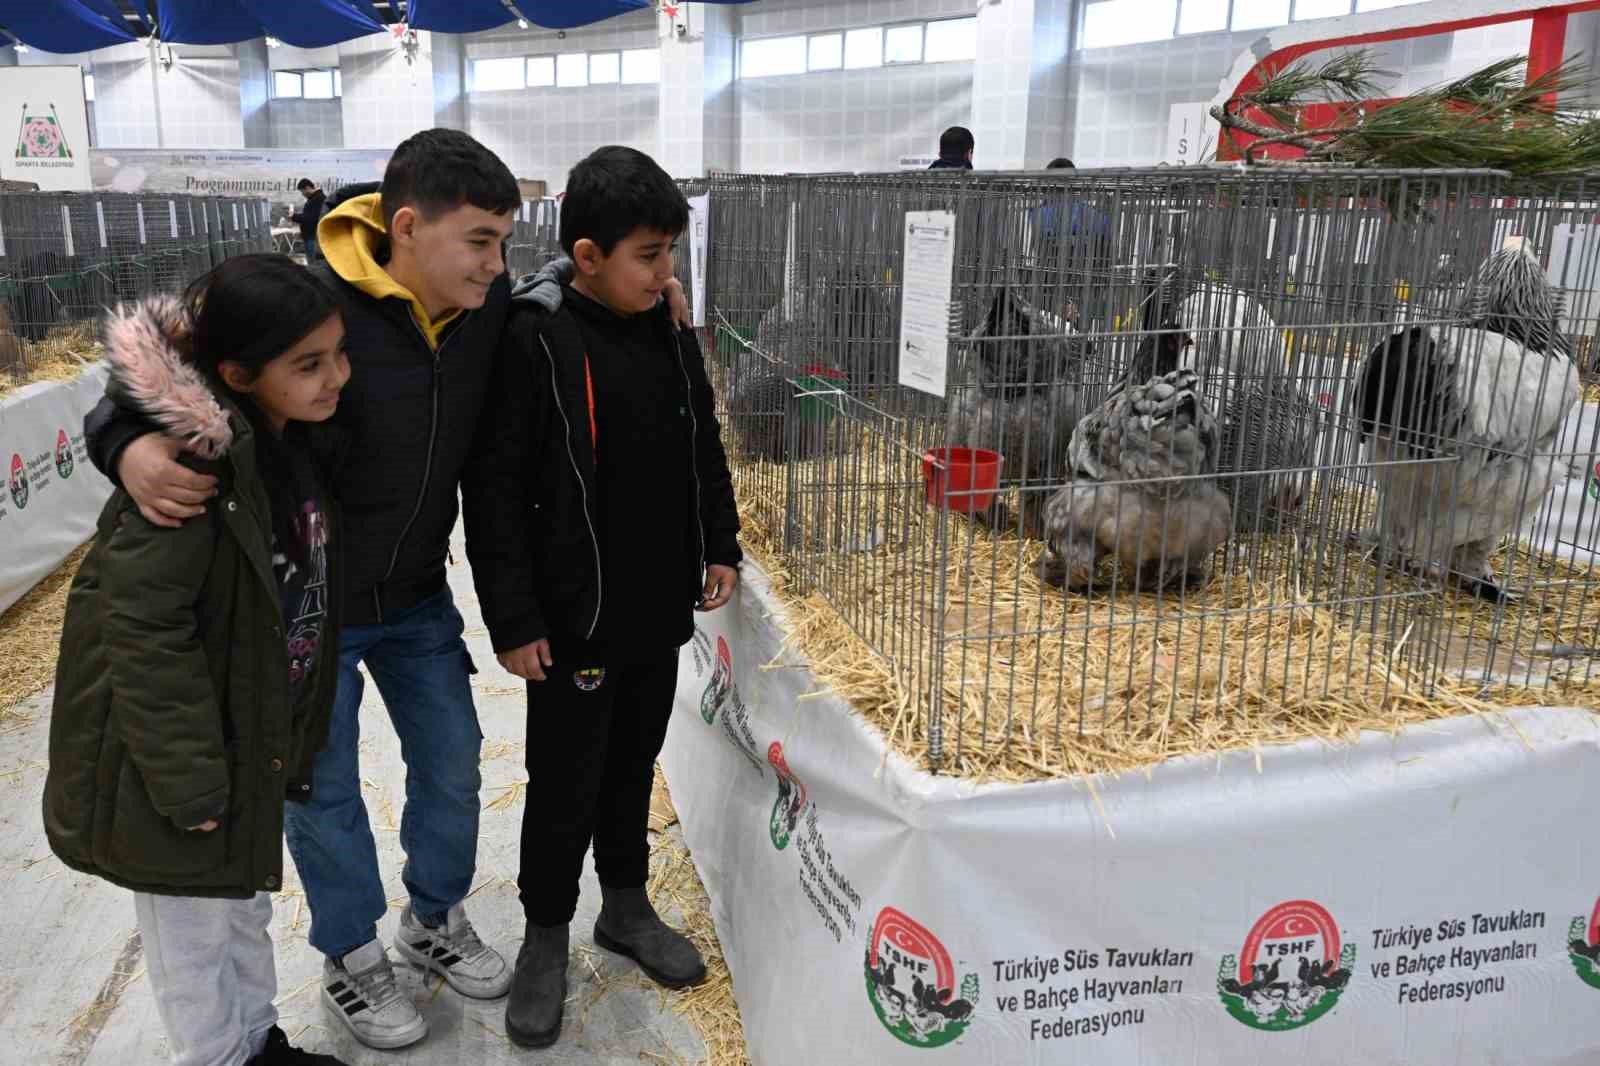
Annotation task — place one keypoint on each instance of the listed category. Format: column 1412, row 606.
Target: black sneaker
column 279, row 1052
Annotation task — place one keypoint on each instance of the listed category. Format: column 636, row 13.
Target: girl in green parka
column 198, row 663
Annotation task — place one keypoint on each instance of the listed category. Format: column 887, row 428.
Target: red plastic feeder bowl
column 961, row 479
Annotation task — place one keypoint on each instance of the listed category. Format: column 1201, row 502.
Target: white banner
column 52, row 493
column 51, row 145
column 1429, row 897
column 699, row 242
column 272, row 173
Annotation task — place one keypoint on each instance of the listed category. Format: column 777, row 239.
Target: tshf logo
column 791, row 801
column 720, row 687
column 19, row 482
column 64, row 464
column 911, row 983
column 1583, row 947
column 1291, row 971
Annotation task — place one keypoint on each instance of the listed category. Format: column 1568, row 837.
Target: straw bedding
column 61, row 356
column 30, row 631
column 1288, row 641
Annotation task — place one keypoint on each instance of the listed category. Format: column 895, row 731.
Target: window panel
column 1320, row 9
column 572, row 69
column 641, row 66
column 605, row 68
column 88, row 88
column 949, row 40
column 1109, row 23
column 771, row 56
column 541, row 72
column 903, row 44
column 496, row 75
column 285, row 83
column 1381, row 5
column 826, row 52
column 863, row 48
column 1260, row 14
column 317, row 84
column 1202, row 16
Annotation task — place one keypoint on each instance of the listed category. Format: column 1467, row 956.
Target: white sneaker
column 453, row 950
column 363, row 994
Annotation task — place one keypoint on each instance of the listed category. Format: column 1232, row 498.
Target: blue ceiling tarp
column 61, row 25
column 302, row 23
column 469, row 16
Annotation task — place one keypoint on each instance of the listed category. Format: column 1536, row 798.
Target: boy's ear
column 587, row 255
column 404, row 225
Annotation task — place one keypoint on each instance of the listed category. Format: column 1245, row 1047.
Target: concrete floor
column 72, row 984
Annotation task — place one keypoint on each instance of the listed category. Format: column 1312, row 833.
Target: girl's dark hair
column 249, row 311
column 252, row 309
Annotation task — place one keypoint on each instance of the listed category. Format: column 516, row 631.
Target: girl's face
column 303, row 383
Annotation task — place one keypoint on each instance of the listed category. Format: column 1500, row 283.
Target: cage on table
column 1274, row 289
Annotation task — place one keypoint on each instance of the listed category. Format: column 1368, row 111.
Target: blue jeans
column 422, row 668
column 313, row 253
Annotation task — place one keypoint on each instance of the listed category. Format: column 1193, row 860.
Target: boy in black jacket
column 600, row 514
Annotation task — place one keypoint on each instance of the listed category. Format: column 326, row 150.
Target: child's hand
column 528, row 662
column 677, row 304
column 720, row 583
column 205, row 827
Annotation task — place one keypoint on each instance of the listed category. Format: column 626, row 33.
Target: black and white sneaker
column 454, row 951
column 363, row 994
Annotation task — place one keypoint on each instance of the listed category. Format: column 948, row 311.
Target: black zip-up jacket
column 411, row 415
column 533, row 530
column 309, row 215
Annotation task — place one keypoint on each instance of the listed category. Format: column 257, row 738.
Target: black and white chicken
column 1122, row 500
column 1490, row 399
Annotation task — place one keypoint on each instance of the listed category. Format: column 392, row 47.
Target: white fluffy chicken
column 1490, row 398
column 1162, row 531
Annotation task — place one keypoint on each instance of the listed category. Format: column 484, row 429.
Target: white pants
column 210, row 964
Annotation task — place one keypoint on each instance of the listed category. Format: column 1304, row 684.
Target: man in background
column 955, row 150
column 309, row 217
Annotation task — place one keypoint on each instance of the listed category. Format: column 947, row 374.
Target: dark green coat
column 172, row 696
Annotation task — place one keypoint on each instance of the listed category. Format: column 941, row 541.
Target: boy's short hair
column 615, row 190
column 439, row 170
column 306, row 183
column 956, row 142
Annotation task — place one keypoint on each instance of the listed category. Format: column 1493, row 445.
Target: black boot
column 538, row 988
column 629, row 925
column 279, row 1052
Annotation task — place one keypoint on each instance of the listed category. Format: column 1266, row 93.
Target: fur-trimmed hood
column 150, row 374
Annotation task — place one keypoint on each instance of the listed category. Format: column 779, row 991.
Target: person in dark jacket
column 309, row 216
column 599, row 517
column 955, row 149
column 197, row 667
column 416, row 266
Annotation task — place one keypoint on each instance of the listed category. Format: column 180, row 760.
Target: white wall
column 848, row 119
column 386, row 99
column 541, row 133
column 1121, row 98
column 306, row 123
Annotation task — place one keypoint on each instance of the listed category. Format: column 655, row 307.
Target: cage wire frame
column 1286, row 279
column 66, row 257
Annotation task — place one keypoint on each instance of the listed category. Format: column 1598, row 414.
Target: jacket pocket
column 145, row 842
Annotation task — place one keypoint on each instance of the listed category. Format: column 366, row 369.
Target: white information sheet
column 699, row 232
column 925, row 300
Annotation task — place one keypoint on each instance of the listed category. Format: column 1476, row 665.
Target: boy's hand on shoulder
column 528, row 662
column 678, row 304
column 720, row 583
column 167, row 492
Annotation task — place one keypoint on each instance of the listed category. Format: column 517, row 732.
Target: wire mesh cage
column 65, row 257
column 1214, row 443
column 535, row 236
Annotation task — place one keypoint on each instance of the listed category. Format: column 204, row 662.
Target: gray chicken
column 1025, row 402
column 1163, row 531
column 1268, row 442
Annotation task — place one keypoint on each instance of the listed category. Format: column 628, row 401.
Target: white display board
column 1189, row 141
column 699, row 243
column 49, row 144
column 52, row 494
column 1428, row 897
column 930, row 258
